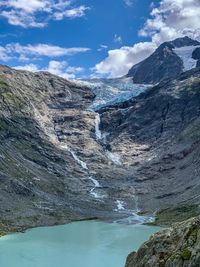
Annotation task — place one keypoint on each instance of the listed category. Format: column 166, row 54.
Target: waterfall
column 76, row 158
column 96, row 185
column 97, row 127
column 114, row 157
column 120, row 205
column 134, row 217
column 80, row 162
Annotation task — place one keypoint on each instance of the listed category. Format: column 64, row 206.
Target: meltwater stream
column 79, row 244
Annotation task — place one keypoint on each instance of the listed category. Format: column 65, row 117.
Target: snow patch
column 185, row 53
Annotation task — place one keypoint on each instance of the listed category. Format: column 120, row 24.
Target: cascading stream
column 114, row 157
column 96, row 185
column 85, row 167
column 97, row 127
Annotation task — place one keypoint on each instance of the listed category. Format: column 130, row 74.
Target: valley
column 123, row 151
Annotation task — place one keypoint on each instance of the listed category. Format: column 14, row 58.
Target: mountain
column 157, row 133
column 61, row 161
column 55, row 166
column 168, row 61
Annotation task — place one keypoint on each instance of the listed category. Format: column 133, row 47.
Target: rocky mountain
column 177, row 246
column 157, row 134
column 53, row 164
column 61, row 161
column 168, row 61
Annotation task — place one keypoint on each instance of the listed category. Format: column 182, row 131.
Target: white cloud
column 45, row 50
column 173, row 19
column 37, row 13
column 170, row 20
column 119, row 61
column 27, row 52
column 129, row 3
column 102, row 47
column 60, row 68
column 117, row 39
column 3, row 54
column 71, row 13
column 29, row 67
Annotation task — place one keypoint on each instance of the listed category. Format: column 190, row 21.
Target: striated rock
column 157, row 134
column 53, row 168
column 177, row 246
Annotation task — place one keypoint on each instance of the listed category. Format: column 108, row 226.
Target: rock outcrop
column 165, row 62
column 178, row 246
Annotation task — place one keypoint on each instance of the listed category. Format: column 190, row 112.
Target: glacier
column 112, row 91
column 185, row 53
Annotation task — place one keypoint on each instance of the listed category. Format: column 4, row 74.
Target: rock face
column 177, row 246
column 38, row 176
column 196, row 56
column 157, row 134
column 53, row 165
column 166, row 62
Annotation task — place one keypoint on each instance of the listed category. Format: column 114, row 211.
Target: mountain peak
column 168, row 61
column 184, row 41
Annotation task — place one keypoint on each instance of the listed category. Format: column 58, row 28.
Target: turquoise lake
column 79, row 244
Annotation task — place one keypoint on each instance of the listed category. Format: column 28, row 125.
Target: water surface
column 79, row 244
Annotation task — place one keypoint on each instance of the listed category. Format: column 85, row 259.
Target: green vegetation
column 3, row 84
column 186, row 254
column 169, row 216
column 11, row 99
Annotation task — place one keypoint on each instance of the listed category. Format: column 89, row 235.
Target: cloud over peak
column 173, row 19
column 169, row 20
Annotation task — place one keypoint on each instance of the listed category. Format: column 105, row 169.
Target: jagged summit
column 184, row 41
column 168, row 61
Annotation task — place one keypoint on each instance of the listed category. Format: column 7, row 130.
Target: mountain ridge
column 165, row 61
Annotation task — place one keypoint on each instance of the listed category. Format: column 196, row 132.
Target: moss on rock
column 186, row 254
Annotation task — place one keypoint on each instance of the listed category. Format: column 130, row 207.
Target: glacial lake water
column 79, row 244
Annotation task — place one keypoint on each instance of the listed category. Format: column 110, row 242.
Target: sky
column 90, row 38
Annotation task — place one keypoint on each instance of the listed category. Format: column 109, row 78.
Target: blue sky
column 78, row 38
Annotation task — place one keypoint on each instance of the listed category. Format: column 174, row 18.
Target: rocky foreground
column 178, row 246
